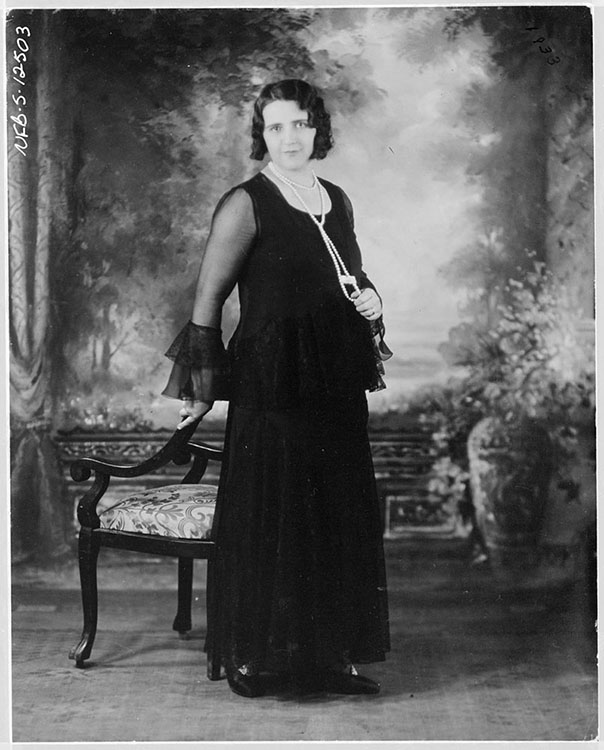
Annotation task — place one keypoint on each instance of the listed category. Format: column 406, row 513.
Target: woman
column 300, row 567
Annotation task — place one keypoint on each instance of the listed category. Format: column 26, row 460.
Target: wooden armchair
column 174, row 520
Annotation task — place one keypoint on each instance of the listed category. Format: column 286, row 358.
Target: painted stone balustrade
column 402, row 461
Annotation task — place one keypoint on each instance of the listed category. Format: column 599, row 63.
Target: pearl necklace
column 291, row 183
column 344, row 277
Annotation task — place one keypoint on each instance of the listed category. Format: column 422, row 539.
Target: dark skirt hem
column 300, row 574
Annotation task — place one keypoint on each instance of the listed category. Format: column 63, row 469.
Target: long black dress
column 300, row 567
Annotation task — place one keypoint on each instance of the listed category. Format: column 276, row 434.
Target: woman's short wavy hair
column 308, row 99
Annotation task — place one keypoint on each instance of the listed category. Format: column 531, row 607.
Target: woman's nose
column 291, row 135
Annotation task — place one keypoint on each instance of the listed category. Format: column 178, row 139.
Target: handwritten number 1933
column 544, row 50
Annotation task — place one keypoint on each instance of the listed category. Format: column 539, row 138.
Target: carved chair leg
column 88, row 552
column 182, row 621
column 213, row 652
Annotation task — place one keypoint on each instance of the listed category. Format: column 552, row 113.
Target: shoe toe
column 351, row 684
column 248, row 686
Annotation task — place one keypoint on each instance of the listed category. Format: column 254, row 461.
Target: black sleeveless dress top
column 299, row 341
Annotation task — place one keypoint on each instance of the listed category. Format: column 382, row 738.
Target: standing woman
column 300, row 578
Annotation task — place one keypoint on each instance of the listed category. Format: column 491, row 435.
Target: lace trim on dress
column 381, row 350
column 201, row 367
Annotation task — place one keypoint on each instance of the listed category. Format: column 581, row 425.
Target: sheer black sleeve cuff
column 201, row 367
column 380, row 347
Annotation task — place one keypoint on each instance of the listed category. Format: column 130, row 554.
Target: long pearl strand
column 344, row 277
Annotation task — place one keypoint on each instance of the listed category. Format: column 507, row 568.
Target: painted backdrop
column 463, row 136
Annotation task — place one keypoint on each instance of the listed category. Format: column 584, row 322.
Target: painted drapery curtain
column 37, row 487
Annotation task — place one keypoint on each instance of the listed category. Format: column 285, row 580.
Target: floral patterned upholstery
column 183, row 511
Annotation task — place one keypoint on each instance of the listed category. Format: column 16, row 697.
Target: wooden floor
column 469, row 662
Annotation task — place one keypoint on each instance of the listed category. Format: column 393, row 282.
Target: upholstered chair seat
column 182, row 511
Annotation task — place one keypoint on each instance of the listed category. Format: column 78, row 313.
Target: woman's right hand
column 192, row 410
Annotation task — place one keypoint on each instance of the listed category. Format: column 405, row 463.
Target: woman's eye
column 274, row 128
column 302, row 124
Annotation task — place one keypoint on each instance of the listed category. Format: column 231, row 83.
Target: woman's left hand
column 368, row 303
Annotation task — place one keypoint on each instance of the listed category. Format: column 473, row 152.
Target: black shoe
column 349, row 684
column 247, row 685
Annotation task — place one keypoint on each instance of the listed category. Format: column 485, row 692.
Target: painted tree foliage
column 537, row 168
column 164, row 108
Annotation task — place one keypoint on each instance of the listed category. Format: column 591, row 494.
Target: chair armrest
column 203, row 449
column 177, row 449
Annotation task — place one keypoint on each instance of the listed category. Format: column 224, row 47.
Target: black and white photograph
column 301, row 374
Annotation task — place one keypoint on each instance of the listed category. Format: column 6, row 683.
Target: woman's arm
column 231, row 235
column 368, row 302
column 200, row 374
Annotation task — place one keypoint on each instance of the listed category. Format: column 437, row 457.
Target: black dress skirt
column 300, row 576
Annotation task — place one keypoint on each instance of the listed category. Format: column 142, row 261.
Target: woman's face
column 288, row 136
